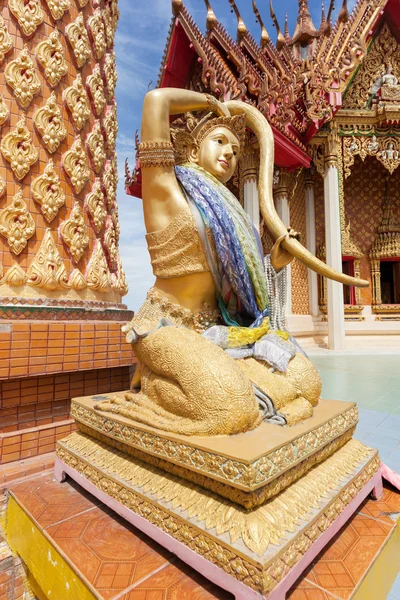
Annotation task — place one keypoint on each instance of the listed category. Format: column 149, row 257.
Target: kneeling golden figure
column 211, row 360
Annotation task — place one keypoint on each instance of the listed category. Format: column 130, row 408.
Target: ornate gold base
column 258, row 547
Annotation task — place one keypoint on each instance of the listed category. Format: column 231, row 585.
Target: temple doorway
column 390, row 282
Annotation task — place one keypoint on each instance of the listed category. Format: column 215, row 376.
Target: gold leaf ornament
column 118, row 279
column 47, row 269
column 115, row 220
column 95, row 206
column 97, row 274
column 28, row 13
column 15, row 276
column 4, row 112
column 17, row 224
column 49, row 123
column 110, row 244
column 95, row 87
column 110, row 181
column 108, row 25
column 74, row 233
column 22, row 78
column 76, row 99
column 50, row 55
column 95, row 144
column 110, row 74
column 18, row 149
column 77, row 281
column 57, row 8
column 47, row 192
column 5, row 40
column 75, row 165
column 82, row 3
column 2, row 187
column 97, row 34
column 78, row 39
column 110, row 126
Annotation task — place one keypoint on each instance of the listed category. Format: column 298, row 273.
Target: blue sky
column 139, row 45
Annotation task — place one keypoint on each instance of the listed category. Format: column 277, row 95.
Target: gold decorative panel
column 49, row 123
column 95, row 86
column 299, row 276
column 110, row 244
column 95, row 205
column 57, row 8
column 22, row 78
column 95, row 144
column 97, row 34
column 110, row 73
column 75, row 165
column 385, row 148
column 77, row 281
column 15, row 276
column 77, row 102
column 5, row 40
column 47, row 269
column 29, row 14
column 110, row 181
column 47, row 192
column 4, row 112
column 74, row 233
column 18, row 149
column 97, row 274
column 118, row 279
column 17, row 224
column 110, row 126
column 79, row 41
column 50, row 55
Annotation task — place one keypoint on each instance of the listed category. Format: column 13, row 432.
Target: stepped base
column 253, row 555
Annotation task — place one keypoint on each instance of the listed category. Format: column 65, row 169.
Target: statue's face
column 219, row 153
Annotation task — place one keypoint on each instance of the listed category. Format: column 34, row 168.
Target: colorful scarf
column 241, row 284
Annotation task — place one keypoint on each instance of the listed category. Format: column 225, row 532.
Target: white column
column 311, row 244
column 281, row 197
column 251, row 201
column 336, row 333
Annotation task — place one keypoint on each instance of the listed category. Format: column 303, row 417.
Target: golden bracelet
column 156, row 154
column 212, row 102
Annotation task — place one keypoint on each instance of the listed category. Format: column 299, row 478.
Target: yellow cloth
column 241, row 336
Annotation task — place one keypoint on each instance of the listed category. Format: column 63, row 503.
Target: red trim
column 179, row 59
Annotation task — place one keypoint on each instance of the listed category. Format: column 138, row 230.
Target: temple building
column 332, row 97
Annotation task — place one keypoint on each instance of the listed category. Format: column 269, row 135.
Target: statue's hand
column 279, row 257
column 218, row 107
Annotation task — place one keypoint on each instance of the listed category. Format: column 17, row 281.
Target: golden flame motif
column 4, row 112
column 57, row 8
column 5, row 40
column 17, row 224
column 96, row 91
column 78, row 38
column 74, row 233
column 97, row 274
column 110, row 126
column 2, row 187
column 115, row 220
column 82, row 3
column 28, row 13
column 50, row 55
column 95, row 206
column 18, row 149
column 110, row 74
column 49, row 123
column 77, row 102
column 22, row 78
column 47, row 269
column 118, row 279
column 47, row 192
column 15, row 276
column 108, row 25
column 110, row 181
column 110, row 244
column 74, row 163
column 114, row 15
column 95, row 144
column 97, row 34
column 77, row 281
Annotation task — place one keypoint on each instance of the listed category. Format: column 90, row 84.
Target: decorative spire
column 344, row 13
column 323, row 20
column 280, row 41
column 264, row 33
column 286, row 32
column 305, row 29
column 177, row 6
column 328, row 24
column 212, row 20
column 241, row 27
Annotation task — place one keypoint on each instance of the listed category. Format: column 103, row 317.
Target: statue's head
column 213, row 143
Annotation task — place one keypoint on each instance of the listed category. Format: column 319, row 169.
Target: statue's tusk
column 260, row 126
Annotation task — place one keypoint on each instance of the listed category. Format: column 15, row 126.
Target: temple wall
column 300, row 305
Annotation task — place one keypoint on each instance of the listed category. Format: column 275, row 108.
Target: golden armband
column 156, row 154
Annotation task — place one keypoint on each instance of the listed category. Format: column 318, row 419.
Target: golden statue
column 209, row 359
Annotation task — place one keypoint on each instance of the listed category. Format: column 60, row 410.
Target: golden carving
column 108, row 25
column 78, row 38
column 57, row 8
column 77, row 281
column 15, row 276
column 387, row 241
column 110, row 126
column 16, row 223
column 118, row 279
column 74, row 163
column 82, row 3
column 97, row 273
column 110, row 243
column 95, row 144
column 97, row 33
column 47, row 192
column 110, row 72
column 47, row 269
column 5, row 40
column 28, row 13
column 95, row 205
column 2, row 187
column 74, row 233
column 115, row 220
column 22, row 78
column 95, row 87
column 110, row 181
column 385, row 148
column 77, row 102
column 50, row 55
column 18, row 149
column 50, row 125
column 4, row 112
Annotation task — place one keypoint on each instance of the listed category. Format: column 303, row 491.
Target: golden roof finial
column 344, row 13
column 241, row 27
column 323, row 20
column 286, row 34
column 177, row 6
column 328, row 25
column 211, row 18
column 280, row 42
column 264, row 33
